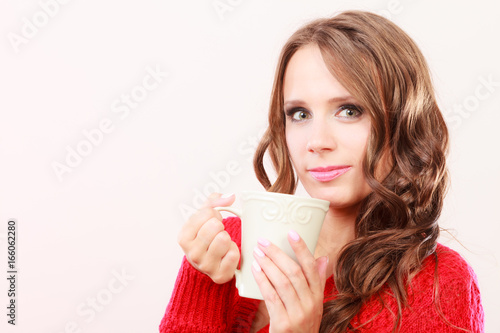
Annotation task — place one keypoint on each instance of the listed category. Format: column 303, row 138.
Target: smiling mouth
column 329, row 173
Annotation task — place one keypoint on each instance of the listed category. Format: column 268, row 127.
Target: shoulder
column 446, row 267
column 456, row 277
column 451, row 266
column 450, row 257
column 448, row 281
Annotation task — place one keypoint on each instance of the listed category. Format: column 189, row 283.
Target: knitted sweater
column 198, row 304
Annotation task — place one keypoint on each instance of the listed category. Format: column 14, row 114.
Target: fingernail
column 256, row 266
column 259, row 252
column 294, row 235
column 264, row 242
column 226, row 195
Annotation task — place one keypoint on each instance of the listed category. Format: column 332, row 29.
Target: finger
column 211, row 198
column 211, row 202
column 287, row 265
column 223, row 258
column 220, row 245
column 274, row 305
column 207, row 233
column 307, row 262
column 219, row 200
column 284, row 274
column 228, row 264
column 224, row 200
column 190, row 229
column 196, row 250
column 322, row 263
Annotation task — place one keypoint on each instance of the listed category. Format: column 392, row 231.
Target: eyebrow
column 334, row 100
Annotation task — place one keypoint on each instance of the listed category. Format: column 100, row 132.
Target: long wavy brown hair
column 396, row 227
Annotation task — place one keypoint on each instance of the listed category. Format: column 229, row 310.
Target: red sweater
column 199, row 305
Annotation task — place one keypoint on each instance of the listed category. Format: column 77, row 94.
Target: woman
column 354, row 117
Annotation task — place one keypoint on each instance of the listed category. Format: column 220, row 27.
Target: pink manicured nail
column 256, row 266
column 259, row 252
column 264, row 242
column 294, row 235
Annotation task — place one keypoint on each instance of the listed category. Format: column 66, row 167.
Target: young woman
column 353, row 116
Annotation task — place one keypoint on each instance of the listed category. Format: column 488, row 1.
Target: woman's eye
column 299, row 115
column 349, row 111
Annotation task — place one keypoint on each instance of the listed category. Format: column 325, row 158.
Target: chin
column 326, row 193
column 338, row 197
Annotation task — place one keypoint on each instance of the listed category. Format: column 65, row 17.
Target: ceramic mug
column 271, row 215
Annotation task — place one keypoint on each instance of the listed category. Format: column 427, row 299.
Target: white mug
column 271, row 215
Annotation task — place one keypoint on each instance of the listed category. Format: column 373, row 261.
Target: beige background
column 97, row 250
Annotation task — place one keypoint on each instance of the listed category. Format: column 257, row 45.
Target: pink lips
column 328, row 173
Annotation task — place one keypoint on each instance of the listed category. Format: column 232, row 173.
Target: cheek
column 293, row 144
column 356, row 142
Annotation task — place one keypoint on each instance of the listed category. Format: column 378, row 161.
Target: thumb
column 322, row 265
column 219, row 200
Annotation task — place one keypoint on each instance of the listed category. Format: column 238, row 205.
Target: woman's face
column 326, row 131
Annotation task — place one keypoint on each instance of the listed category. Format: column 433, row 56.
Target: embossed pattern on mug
column 286, row 210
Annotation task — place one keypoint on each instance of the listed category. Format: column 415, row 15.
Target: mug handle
column 233, row 210
column 238, row 213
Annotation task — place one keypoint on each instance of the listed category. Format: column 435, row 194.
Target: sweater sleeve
column 197, row 303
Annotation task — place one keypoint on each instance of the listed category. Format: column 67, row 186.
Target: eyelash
column 291, row 112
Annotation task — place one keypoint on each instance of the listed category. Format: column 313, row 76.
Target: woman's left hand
column 293, row 293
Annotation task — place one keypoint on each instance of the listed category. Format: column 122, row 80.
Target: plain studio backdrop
column 118, row 117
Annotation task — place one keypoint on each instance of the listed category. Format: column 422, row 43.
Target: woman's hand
column 208, row 247
column 293, row 293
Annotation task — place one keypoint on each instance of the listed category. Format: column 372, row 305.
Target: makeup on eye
column 297, row 113
column 346, row 111
column 349, row 111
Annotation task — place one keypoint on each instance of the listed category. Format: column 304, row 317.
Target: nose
column 322, row 137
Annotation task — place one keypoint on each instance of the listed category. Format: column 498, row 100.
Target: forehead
column 308, row 77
